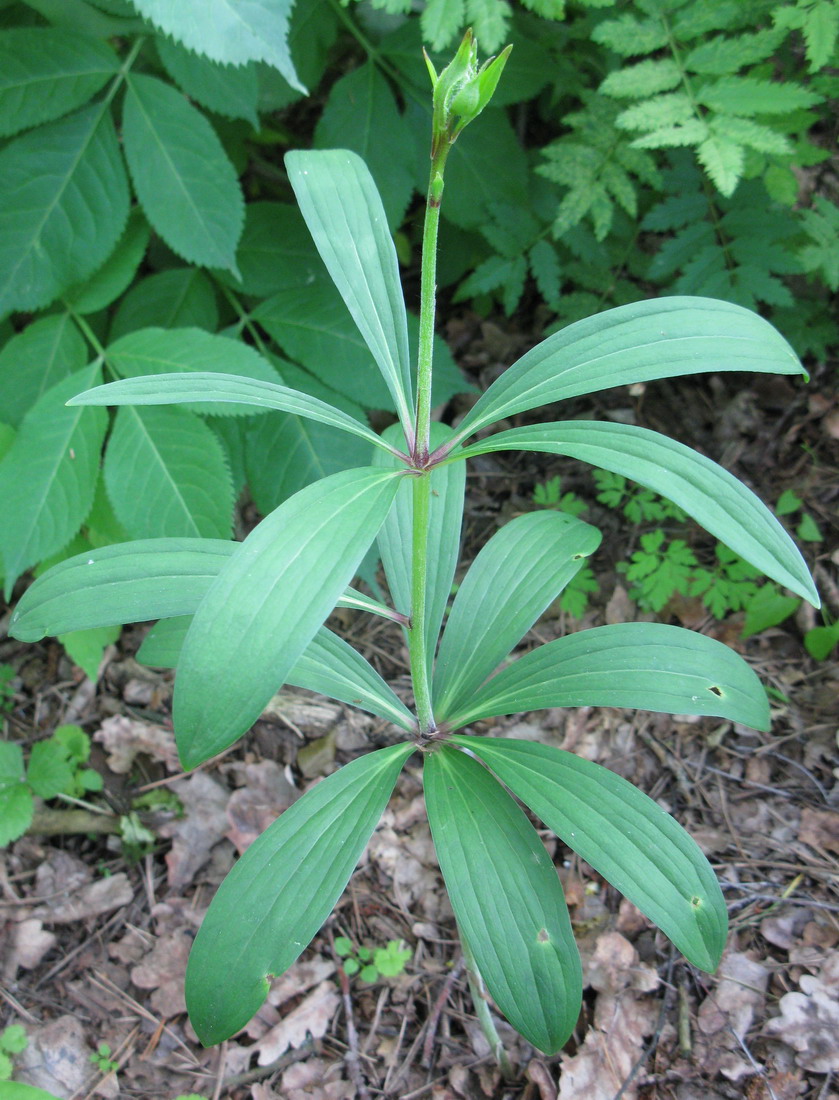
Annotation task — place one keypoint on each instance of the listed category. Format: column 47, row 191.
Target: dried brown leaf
column 312, row 1016
column 126, row 738
column 809, row 1020
column 194, row 835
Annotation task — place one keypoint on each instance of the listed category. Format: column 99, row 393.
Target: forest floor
column 94, row 940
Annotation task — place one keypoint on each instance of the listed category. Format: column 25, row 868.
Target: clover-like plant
column 257, row 610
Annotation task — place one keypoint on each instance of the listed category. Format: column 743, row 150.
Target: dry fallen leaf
column 312, row 1016
column 194, row 835
column 809, row 1020
column 820, row 829
column 71, row 894
column 726, row 1015
column 125, row 738
column 28, row 943
column 615, row 966
column 163, row 970
column 57, row 1059
column 265, row 795
column 314, row 1079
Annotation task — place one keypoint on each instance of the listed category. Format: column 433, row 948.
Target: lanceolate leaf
column 659, row 338
column 48, row 477
column 230, row 31
column 506, row 896
column 183, row 178
column 344, row 213
column 166, row 475
column 714, row 497
column 282, row 890
column 65, row 202
column 268, row 602
column 448, row 485
column 222, row 393
column 646, row 665
column 133, row 582
column 332, row 667
column 513, row 579
column 623, row 834
column 46, row 73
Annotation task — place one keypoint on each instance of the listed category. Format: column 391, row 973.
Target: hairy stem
column 417, row 640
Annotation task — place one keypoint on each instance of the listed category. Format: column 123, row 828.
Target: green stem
column 479, row 1000
column 417, row 640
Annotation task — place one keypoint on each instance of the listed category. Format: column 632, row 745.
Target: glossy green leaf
column 46, row 73
column 117, row 272
column 229, row 31
column 650, row 666
column 448, row 485
column 344, row 213
column 360, row 108
column 65, row 203
column 517, row 574
column 623, row 834
column 48, row 476
column 181, row 173
column 205, row 389
column 167, row 476
column 506, row 896
column 181, row 297
column 291, row 876
column 231, row 91
column 659, row 338
column 331, row 666
column 714, row 497
column 124, row 583
column 34, row 360
column 268, row 602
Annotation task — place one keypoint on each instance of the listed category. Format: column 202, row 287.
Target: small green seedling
column 549, row 494
column 242, row 619
column 56, row 769
column 13, row 1040
column 101, row 1058
column 371, row 963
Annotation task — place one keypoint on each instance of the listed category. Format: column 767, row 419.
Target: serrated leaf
column 46, row 73
column 721, row 55
column 181, row 173
column 448, row 486
column 276, row 250
column 48, row 477
column 821, row 28
column 34, row 360
column 49, row 772
column 746, row 132
column 339, row 201
column 440, row 22
column 741, row 95
column 166, row 475
column 229, row 90
column 219, row 393
column 489, row 20
column 623, row 834
column 691, row 132
column 65, row 202
column 516, row 575
column 506, row 896
column 15, row 796
column 232, row 32
column 361, row 108
column 724, row 162
column 249, row 630
column 182, row 297
column 647, row 78
column 292, row 876
column 714, row 497
column 669, row 109
column 657, row 338
column 649, row 666
column 630, row 36
column 545, row 268
column 117, row 273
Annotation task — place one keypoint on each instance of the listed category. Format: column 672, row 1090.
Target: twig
column 437, row 1011
column 351, row 1057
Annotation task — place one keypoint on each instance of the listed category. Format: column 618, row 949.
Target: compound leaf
column 268, row 602
column 65, row 202
column 183, row 178
column 46, row 73
column 233, row 32
column 650, row 666
column 658, row 338
column 292, row 876
column 48, row 476
column 623, row 834
column 344, row 213
column 34, row 360
column 517, row 574
column 506, row 896
column 714, row 497
column 166, row 475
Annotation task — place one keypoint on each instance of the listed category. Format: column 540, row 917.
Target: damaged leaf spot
column 543, row 936
column 716, row 691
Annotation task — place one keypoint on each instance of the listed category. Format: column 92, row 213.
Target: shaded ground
column 94, row 946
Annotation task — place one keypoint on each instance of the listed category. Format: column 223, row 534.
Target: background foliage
column 148, row 226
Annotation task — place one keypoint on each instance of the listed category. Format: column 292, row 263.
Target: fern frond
column 670, row 109
column 744, row 131
column 546, row 270
column 818, row 20
column 645, row 79
column 692, row 132
column 490, row 20
column 720, row 56
column 747, row 96
column 822, row 253
column 440, row 22
column 631, row 37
